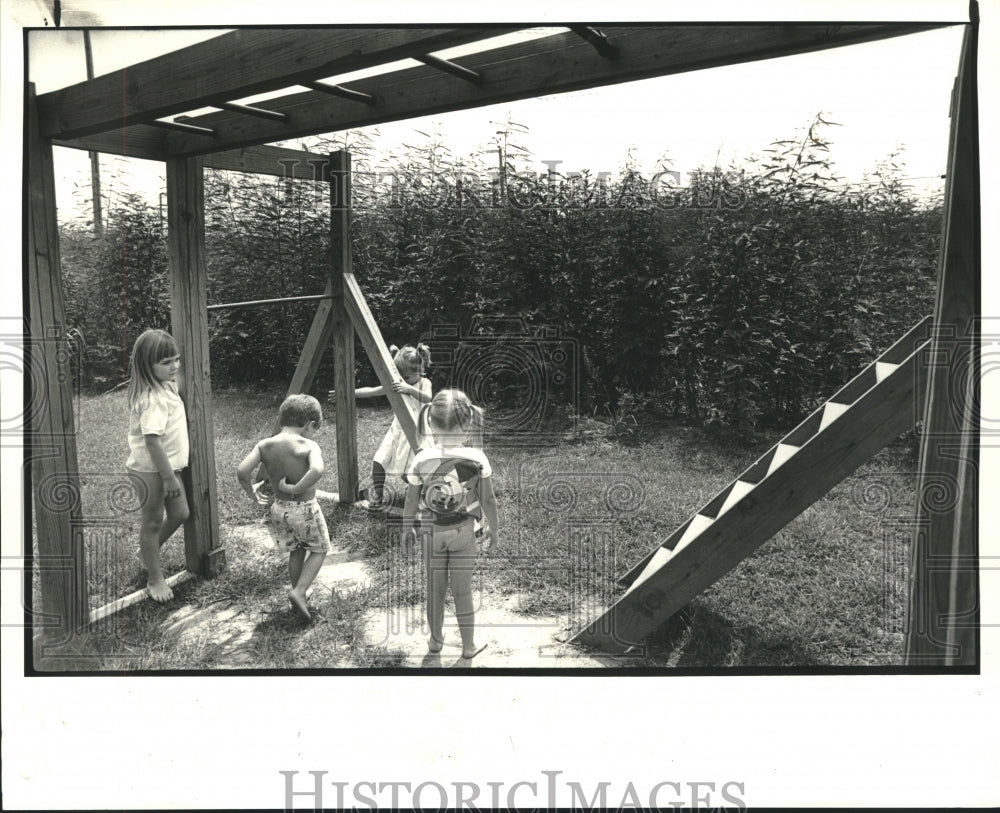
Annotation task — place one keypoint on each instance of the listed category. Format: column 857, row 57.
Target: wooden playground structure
column 936, row 364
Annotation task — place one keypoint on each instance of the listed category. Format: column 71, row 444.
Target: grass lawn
column 829, row 590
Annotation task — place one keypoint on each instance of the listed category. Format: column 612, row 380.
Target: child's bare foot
column 299, row 605
column 469, row 654
column 434, row 645
column 159, row 591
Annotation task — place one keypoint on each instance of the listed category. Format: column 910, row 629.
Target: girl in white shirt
column 158, row 449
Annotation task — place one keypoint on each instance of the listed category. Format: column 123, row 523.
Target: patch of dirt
column 513, row 640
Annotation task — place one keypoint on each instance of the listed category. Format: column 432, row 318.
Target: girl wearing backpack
column 449, row 488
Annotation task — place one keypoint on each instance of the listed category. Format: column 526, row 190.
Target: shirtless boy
column 294, row 464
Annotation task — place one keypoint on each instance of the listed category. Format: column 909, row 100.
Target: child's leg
column 436, row 572
column 307, row 571
column 149, row 486
column 177, row 513
column 461, row 566
column 295, row 560
column 378, row 483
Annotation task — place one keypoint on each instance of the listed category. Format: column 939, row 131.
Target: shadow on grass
column 699, row 638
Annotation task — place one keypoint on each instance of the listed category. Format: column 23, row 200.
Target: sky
column 219, row 742
column 884, row 96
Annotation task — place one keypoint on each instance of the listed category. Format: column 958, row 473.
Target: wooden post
column 341, row 328
column 51, row 453
column 943, row 624
column 95, row 160
column 188, row 300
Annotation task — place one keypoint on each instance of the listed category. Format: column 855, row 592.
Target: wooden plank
column 267, row 160
column 134, row 598
column 378, row 354
column 136, row 141
column 943, row 625
column 556, row 64
column 188, row 299
column 341, row 327
column 876, row 419
column 51, row 434
column 316, row 341
column 231, row 67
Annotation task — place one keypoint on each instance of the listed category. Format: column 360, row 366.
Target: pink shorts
column 299, row 526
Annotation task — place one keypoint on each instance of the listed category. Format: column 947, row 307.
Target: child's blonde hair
column 452, row 413
column 152, row 346
column 411, row 359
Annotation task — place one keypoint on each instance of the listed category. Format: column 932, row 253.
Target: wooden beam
column 51, row 452
column 266, row 160
column 943, row 624
column 379, row 355
column 231, row 67
column 341, row 329
column 135, row 597
column 188, row 299
column 134, row 141
column 556, row 64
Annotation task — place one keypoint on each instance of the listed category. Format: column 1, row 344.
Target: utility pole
column 95, row 162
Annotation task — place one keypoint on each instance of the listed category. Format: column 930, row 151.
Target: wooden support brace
column 378, row 354
column 249, row 110
column 341, row 91
column 596, row 38
column 181, row 127
column 452, row 68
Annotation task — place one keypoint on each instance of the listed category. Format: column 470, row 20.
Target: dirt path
column 513, row 640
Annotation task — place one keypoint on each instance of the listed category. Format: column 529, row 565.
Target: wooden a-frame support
column 336, row 320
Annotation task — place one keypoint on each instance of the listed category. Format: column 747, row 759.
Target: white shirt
column 159, row 412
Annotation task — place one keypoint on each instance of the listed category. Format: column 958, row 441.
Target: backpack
column 451, row 491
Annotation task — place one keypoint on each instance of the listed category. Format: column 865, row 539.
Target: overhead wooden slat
column 451, row 68
column 231, row 67
column 563, row 62
column 342, row 92
column 250, row 110
column 597, row 39
column 181, row 127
